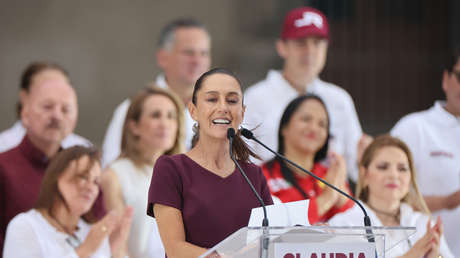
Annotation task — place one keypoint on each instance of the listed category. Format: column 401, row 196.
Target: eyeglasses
column 457, row 74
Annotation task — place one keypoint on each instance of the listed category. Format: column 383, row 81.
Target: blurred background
column 387, row 54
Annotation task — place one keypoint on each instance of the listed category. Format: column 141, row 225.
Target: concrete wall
column 107, row 46
column 386, row 54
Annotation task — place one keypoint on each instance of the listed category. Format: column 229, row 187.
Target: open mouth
column 221, row 121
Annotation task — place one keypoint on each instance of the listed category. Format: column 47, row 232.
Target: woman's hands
column 428, row 245
column 115, row 225
column 337, row 176
column 363, row 143
column 337, row 172
column 120, row 234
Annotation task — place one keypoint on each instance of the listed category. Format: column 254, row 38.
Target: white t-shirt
column 144, row 239
column 433, row 137
column 11, row 138
column 408, row 218
column 29, row 234
column 265, row 103
column 111, row 146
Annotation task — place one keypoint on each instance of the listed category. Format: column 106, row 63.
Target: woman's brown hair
column 129, row 141
column 413, row 197
column 49, row 191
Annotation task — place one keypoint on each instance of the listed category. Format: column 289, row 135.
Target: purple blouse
column 212, row 207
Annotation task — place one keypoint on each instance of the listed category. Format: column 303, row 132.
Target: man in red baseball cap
column 303, row 45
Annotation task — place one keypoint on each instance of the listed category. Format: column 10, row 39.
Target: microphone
column 367, row 221
column 231, row 135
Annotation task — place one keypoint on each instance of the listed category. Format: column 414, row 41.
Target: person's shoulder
column 320, row 168
column 260, row 87
column 121, row 163
column 271, row 169
column 414, row 118
column 172, row 158
column 254, row 90
column 75, row 139
column 333, row 90
column 8, row 153
column 251, row 169
column 410, row 122
column 177, row 162
column 125, row 103
column 24, row 218
column 411, row 217
column 350, row 217
column 249, row 165
column 122, row 108
column 9, row 156
column 16, row 129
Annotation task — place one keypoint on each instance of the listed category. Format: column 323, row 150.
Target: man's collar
column 32, row 153
column 442, row 115
column 278, row 75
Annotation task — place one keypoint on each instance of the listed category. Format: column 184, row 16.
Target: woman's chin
column 80, row 211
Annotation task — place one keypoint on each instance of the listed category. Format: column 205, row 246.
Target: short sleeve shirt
column 212, row 207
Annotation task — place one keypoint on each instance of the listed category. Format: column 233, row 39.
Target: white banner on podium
column 324, row 250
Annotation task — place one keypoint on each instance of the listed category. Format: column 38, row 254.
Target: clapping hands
column 428, row 245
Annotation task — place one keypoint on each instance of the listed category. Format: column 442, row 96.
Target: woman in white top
column 60, row 224
column 387, row 187
column 153, row 127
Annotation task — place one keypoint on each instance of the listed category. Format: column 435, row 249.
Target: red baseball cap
column 303, row 22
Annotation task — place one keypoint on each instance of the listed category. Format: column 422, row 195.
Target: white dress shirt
column 408, row 218
column 265, row 103
column 29, row 234
column 433, row 137
column 111, row 146
column 11, row 138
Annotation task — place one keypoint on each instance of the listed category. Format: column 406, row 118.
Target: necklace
column 396, row 216
column 72, row 240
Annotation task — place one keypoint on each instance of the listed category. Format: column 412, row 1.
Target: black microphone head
column 230, row 133
column 246, row 133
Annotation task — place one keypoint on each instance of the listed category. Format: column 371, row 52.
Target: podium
column 311, row 241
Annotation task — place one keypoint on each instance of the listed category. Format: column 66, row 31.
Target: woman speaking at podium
column 199, row 198
column 388, row 189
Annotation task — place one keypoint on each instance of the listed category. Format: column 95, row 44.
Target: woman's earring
column 196, row 127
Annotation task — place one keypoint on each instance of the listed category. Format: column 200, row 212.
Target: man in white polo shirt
column 183, row 55
column 433, row 136
column 303, row 47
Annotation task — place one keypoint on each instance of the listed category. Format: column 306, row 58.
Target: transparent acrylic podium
column 246, row 242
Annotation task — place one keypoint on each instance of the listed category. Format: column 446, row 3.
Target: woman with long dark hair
column 303, row 138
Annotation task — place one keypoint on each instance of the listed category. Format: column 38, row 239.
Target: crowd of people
column 165, row 184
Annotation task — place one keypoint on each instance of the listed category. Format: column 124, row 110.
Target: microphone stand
column 265, row 239
column 367, row 221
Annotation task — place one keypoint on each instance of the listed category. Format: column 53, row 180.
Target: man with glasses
column 433, row 136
